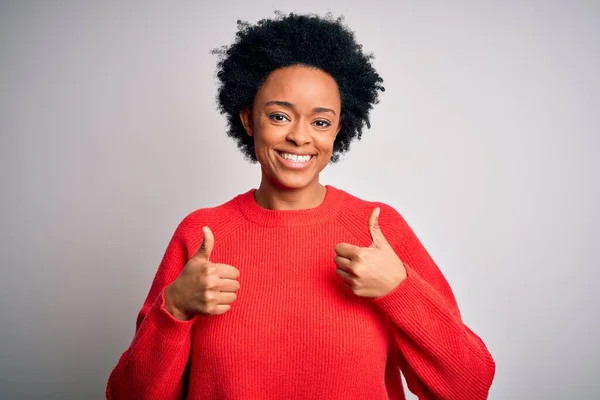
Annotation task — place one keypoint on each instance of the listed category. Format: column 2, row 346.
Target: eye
column 321, row 123
column 277, row 117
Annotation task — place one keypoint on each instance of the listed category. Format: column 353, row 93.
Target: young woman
column 296, row 290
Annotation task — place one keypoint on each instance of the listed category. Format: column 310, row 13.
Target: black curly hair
column 325, row 43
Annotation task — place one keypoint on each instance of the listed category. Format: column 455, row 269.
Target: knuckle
column 210, row 309
column 208, row 297
column 210, row 282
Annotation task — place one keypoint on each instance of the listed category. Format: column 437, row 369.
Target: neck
column 275, row 197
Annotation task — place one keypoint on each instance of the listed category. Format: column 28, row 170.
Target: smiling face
column 294, row 121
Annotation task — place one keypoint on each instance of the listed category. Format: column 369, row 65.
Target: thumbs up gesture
column 372, row 271
column 202, row 287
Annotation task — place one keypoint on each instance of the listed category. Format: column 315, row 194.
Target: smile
column 295, row 158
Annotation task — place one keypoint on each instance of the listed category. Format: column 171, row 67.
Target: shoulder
column 220, row 218
column 356, row 212
column 364, row 207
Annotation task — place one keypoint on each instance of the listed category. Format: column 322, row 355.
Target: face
column 294, row 121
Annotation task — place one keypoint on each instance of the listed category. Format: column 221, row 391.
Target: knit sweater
column 296, row 331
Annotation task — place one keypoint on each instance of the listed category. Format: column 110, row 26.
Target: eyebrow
column 287, row 104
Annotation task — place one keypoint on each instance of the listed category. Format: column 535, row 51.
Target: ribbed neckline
column 328, row 209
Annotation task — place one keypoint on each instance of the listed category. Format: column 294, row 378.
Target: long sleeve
column 154, row 365
column 440, row 357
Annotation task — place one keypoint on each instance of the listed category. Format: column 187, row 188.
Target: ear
column 246, row 117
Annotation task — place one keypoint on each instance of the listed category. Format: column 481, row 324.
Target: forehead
column 302, row 86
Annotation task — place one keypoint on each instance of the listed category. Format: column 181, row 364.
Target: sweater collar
column 328, row 209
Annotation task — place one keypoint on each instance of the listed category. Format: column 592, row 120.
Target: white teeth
column 295, row 158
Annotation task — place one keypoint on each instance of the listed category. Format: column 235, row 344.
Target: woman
column 297, row 290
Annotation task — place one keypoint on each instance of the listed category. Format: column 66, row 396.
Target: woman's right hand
column 202, row 287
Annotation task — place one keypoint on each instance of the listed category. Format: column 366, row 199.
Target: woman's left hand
column 372, row 271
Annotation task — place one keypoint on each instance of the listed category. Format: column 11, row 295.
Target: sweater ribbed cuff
column 170, row 328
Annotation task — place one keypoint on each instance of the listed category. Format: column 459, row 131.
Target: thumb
column 374, row 230
column 208, row 242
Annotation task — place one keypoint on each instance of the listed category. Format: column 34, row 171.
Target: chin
column 294, row 182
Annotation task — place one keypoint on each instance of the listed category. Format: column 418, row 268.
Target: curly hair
column 324, row 43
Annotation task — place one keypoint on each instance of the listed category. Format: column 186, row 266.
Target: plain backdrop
column 485, row 140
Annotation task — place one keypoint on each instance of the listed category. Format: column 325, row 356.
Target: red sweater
column 295, row 331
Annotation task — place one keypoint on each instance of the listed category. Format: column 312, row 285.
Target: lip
column 296, row 153
column 292, row 165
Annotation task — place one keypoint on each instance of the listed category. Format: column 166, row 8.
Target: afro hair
column 324, row 43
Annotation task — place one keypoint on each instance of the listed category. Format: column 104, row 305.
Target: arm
column 440, row 357
column 154, row 365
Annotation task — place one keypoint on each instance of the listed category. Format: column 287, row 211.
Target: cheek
column 261, row 137
column 268, row 135
column 325, row 142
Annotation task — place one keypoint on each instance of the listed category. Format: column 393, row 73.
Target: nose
column 299, row 134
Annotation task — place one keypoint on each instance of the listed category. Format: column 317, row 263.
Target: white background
column 485, row 140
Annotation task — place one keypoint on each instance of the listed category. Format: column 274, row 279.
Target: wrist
column 171, row 306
